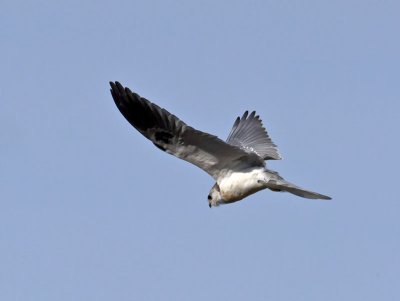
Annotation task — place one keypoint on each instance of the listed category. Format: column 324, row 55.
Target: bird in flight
column 237, row 164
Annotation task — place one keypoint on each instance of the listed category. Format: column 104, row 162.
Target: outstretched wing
column 249, row 134
column 173, row 136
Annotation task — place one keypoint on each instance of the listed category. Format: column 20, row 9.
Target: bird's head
column 214, row 196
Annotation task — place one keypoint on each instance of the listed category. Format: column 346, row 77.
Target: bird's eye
column 209, row 197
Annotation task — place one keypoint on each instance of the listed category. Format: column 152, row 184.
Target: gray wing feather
column 175, row 137
column 282, row 185
column 277, row 183
column 249, row 134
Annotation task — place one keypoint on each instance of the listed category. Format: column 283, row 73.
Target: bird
column 238, row 165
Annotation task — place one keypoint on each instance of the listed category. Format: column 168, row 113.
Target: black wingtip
column 247, row 116
column 139, row 112
column 114, row 84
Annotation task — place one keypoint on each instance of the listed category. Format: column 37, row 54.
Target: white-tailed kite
column 237, row 165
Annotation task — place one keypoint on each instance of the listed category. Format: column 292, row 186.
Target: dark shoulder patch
column 163, row 136
column 160, row 147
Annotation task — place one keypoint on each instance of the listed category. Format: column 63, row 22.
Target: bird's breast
column 235, row 186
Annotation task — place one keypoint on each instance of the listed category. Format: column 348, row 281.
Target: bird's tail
column 280, row 184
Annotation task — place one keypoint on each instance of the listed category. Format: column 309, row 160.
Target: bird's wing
column 249, row 134
column 173, row 136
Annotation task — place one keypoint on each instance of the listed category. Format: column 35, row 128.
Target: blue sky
column 90, row 210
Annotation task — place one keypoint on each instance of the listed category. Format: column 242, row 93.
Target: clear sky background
column 91, row 210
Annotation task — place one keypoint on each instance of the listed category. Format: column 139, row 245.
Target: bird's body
column 237, row 165
column 236, row 185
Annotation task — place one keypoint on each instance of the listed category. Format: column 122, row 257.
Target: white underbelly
column 237, row 185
